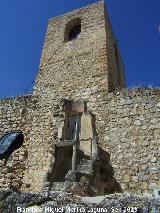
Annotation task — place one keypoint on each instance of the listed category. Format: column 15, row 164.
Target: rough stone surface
column 11, row 201
column 127, row 121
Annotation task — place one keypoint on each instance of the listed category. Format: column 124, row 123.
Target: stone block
column 126, row 178
column 134, row 179
column 144, row 186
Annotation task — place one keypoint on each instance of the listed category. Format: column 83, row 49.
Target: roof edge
column 81, row 8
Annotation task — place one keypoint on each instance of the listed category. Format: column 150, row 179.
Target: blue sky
column 22, row 32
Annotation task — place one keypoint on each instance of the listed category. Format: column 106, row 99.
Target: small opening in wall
column 63, row 163
column 73, row 30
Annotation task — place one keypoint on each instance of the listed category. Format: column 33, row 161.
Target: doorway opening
column 63, row 159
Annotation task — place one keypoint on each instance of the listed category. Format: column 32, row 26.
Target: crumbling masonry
column 83, row 132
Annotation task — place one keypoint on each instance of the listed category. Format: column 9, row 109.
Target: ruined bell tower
column 80, row 56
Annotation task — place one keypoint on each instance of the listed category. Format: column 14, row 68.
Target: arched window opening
column 73, row 30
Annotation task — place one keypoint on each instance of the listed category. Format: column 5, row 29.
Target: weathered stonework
column 124, row 123
column 85, row 65
column 11, row 201
column 128, row 125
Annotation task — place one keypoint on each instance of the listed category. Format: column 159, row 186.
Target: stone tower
column 80, row 56
column 80, row 65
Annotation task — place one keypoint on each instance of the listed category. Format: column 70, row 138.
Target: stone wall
column 128, row 126
column 15, row 114
column 43, row 136
column 115, row 66
column 27, row 166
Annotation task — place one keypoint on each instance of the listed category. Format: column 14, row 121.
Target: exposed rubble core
column 42, row 202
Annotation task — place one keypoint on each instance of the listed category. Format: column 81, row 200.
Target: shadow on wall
column 101, row 181
column 104, row 181
column 63, row 164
